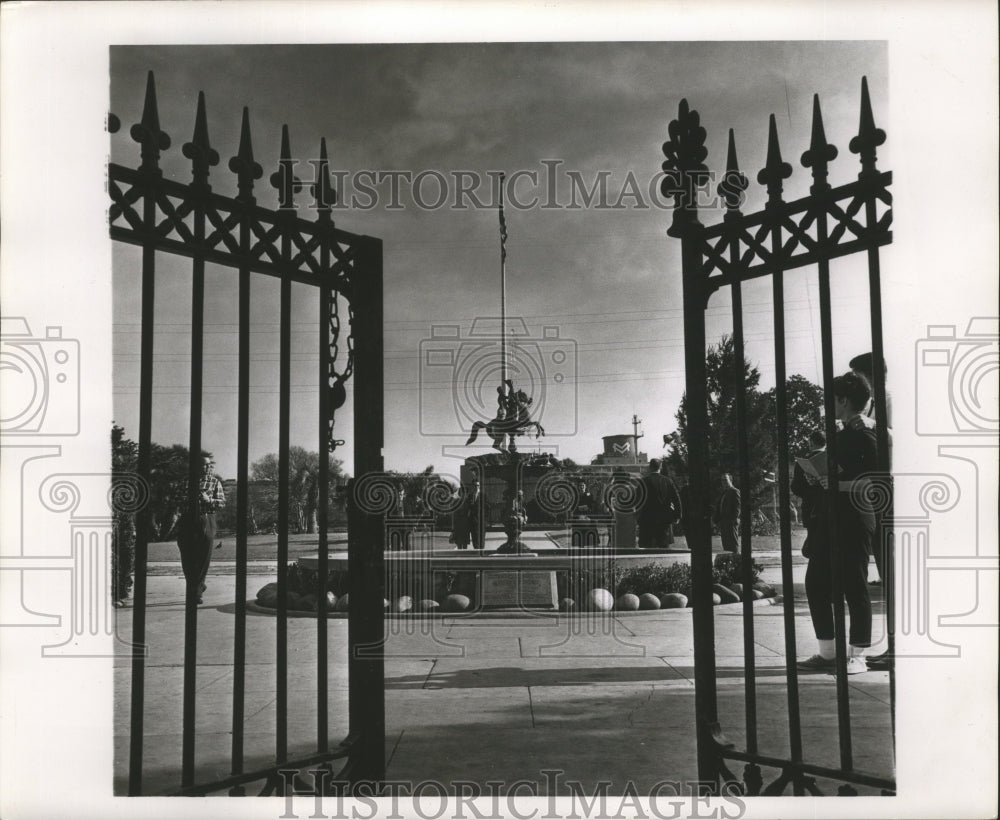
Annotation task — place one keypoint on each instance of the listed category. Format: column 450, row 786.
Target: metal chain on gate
column 335, row 380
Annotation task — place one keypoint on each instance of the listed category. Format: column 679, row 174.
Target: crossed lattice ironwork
column 830, row 222
column 239, row 233
column 191, row 220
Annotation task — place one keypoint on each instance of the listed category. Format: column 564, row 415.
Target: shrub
column 728, row 569
column 122, row 556
column 656, row 579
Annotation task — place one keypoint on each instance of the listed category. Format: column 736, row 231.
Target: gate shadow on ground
column 493, row 677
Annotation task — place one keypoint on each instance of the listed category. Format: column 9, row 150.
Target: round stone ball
column 649, row 601
column 673, row 600
column 567, row 605
column 404, row 603
column 456, row 603
column 600, row 600
column 343, row 602
column 428, row 605
column 716, row 599
column 725, row 594
column 267, row 590
column 627, row 603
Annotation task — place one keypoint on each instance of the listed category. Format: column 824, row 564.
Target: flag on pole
column 503, row 225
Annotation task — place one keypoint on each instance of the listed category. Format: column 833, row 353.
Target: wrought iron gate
column 191, row 220
column 830, row 222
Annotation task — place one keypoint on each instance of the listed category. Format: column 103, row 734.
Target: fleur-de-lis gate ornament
column 830, row 222
column 192, row 220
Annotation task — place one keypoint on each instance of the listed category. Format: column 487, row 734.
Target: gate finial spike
column 869, row 137
column 734, row 183
column 286, row 151
column 684, row 165
column 147, row 132
column 775, row 170
column 199, row 151
column 243, row 164
column 283, row 179
column 820, row 153
column 323, row 191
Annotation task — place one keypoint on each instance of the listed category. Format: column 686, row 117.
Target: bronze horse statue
column 513, row 419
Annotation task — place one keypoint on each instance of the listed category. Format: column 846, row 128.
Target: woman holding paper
column 856, row 458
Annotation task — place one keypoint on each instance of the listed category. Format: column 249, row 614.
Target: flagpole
column 503, row 291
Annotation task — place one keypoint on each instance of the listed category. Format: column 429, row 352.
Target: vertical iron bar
column 832, row 500
column 706, row 705
column 503, row 290
column 323, row 494
column 284, row 394
column 144, row 518
column 246, row 171
column 743, row 453
column 366, row 536
column 884, row 532
column 194, row 473
column 787, row 581
column 242, row 507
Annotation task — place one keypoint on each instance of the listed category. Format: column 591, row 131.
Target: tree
column 303, row 487
column 168, row 479
column 804, row 401
column 721, row 384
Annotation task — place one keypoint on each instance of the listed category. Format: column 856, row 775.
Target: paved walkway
column 495, row 698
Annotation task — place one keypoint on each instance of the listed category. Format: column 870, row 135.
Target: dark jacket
column 811, row 494
column 661, row 503
column 856, row 457
column 728, row 506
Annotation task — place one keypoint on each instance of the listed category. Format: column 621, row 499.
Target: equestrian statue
column 512, row 419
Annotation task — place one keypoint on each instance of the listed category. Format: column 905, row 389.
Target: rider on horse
column 511, row 420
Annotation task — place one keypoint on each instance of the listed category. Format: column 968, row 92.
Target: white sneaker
column 856, row 665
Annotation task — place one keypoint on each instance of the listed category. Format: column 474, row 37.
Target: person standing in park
column 660, row 508
column 864, row 366
column 856, row 461
column 467, row 520
column 196, row 539
column 586, row 504
column 727, row 514
column 399, row 524
column 812, row 497
column 673, row 502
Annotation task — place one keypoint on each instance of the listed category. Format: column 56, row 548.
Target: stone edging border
column 253, row 606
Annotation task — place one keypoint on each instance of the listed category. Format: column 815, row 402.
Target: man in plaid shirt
column 196, row 542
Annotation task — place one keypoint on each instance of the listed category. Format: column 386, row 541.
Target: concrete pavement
column 495, row 698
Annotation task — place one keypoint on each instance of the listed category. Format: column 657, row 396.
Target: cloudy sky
column 598, row 286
